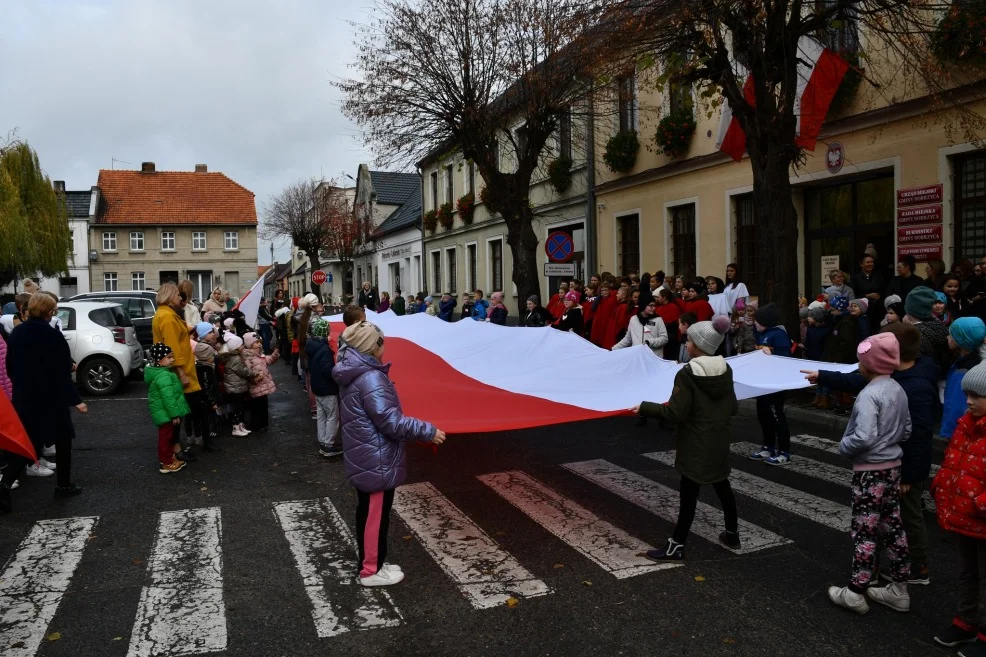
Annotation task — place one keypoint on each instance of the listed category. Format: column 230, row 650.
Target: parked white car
column 103, row 343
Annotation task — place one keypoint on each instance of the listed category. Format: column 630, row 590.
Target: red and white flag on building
column 820, row 72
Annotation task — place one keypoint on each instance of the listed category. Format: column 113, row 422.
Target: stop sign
column 318, row 277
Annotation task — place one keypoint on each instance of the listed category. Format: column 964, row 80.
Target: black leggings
column 688, row 500
column 773, row 422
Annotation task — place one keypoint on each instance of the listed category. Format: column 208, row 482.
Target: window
column 436, row 272
column 231, row 240
column 167, row 241
column 629, row 226
column 970, row 206
column 137, row 241
column 68, row 286
column 198, row 241
column 449, row 189
column 471, row 267
column 109, row 281
column 683, row 239
column 434, row 190
column 680, row 98
column 565, row 133
column 496, row 153
column 842, row 35
column 471, row 180
column 450, row 267
column 496, row 265
column 109, row 241
column 137, row 281
column 168, row 277
column 520, row 139
column 747, row 251
column 628, row 102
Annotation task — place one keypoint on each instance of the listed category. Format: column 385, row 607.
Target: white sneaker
column 244, row 429
column 38, row 470
column 383, row 577
column 48, row 451
column 15, row 485
column 238, row 432
column 46, row 463
column 393, row 567
column 848, row 599
column 893, row 595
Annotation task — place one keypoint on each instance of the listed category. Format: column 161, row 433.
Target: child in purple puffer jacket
column 374, row 433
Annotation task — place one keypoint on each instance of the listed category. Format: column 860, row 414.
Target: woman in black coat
column 40, row 367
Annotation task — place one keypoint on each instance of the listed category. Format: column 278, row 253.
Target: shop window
column 683, row 239
column 970, row 207
column 747, row 249
column 629, row 241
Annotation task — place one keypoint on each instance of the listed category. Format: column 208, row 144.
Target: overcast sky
column 242, row 86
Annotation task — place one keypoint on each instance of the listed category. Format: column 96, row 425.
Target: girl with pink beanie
column 880, row 421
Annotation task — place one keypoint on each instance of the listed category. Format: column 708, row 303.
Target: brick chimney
column 147, row 167
column 58, row 186
column 201, row 168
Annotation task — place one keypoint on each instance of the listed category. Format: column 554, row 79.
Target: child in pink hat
column 880, row 421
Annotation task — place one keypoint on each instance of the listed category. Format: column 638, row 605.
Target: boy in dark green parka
column 702, row 404
column 166, row 400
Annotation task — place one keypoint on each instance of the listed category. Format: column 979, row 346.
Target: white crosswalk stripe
column 181, row 610
column 610, row 548
column 325, row 553
column 792, row 500
column 486, row 574
column 35, row 579
column 663, row 502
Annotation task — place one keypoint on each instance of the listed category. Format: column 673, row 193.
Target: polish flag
column 820, row 72
column 475, row 377
column 13, row 437
column 249, row 303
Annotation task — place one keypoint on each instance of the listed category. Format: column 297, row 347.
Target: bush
column 430, row 220
column 466, row 205
column 445, row 217
column 960, row 35
column 621, row 151
column 486, row 199
column 560, row 173
column 674, row 133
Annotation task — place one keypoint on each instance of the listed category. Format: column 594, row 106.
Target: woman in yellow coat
column 169, row 327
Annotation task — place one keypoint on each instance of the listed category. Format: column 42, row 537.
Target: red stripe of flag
column 826, row 76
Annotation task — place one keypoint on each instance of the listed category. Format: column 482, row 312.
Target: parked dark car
column 139, row 306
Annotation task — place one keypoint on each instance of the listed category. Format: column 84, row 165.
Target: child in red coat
column 960, row 496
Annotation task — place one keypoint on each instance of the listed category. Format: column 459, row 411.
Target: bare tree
column 445, row 75
column 351, row 235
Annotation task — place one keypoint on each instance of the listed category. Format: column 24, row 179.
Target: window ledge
column 169, row 250
column 136, row 251
column 200, row 250
column 231, row 250
column 110, row 251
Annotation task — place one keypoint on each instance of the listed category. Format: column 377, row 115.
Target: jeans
column 688, row 500
column 327, row 422
column 265, row 336
column 773, row 422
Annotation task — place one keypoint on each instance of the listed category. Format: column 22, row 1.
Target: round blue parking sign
column 559, row 247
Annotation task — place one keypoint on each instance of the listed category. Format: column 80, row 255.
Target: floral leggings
column 876, row 514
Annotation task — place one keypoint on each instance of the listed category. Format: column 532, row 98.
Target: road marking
column 663, row 502
column 486, row 574
column 325, row 552
column 816, row 509
column 35, row 579
column 609, row 547
column 181, row 609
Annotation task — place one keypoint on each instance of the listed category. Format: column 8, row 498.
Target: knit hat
column 721, row 323
column 968, row 332
column 897, row 309
column 203, row 329
column 9, row 308
column 893, row 298
column 940, row 297
column 233, row 341
column 535, row 300
column 308, row 300
column 228, row 322
column 159, row 351
column 919, row 302
column 572, row 296
column 282, row 311
column 974, row 380
column 740, row 304
column 204, row 351
column 705, row 336
column 249, row 339
column 30, row 286
column 880, row 353
column 870, row 250
column 749, row 304
column 839, row 303
column 863, row 304
column 363, row 337
column 768, row 316
column 496, row 297
column 428, row 299
column 318, row 328
column 803, row 312
column 818, row 314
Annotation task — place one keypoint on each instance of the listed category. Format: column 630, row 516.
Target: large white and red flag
column 249, row 303
column 473, row 377
column 820, row 72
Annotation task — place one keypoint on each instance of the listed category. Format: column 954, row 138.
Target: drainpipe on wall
column 590, row 193
column 424, row 260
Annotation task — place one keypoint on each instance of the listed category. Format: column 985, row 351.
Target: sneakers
column 329, row 453
column 673, row 551
column 892, row 595
column 730, row 539
column 46, row 463
column 314, row 415
column 781, row 458
column 383, row 577
column 977, row 649
column 48, row 451
column 764, row 454
column 15, row 485
column 68, row 491
column 243, row 429
column 38, row 470
column 238, row 430
column 920, row 576
column 393, row 567
column 954, row 636
column 848, row 599
column 174, row 466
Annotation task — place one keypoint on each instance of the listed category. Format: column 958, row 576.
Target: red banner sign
column 916, row 234
column 921, row 252
column 924, row 214
column 919, row 195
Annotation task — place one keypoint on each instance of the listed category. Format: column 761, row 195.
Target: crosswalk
column 182, row 609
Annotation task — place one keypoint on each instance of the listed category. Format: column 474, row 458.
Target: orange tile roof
column 261, row 269
column 173, row 197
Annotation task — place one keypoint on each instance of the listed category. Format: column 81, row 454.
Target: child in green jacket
column 166, row 400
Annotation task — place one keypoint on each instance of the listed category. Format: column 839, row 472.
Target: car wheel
column 100, row 376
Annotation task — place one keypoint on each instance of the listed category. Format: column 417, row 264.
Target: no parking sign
column 559, row 246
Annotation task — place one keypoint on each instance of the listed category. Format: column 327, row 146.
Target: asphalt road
column 587, row 601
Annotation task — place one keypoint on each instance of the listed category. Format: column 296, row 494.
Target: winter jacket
column 570, row 321
column 816, row 339
column 368, row 299
column 303, row 321
column 920, row 384
column 537, row 318
column 321, row 360
column 556, row 306
column 236, row 374
column 467, row 307
column 164, row 395
column 499, row 315
column 862, row 328
column 479, row 309
column 208, row 381
column 169, row 327
column 262, row 383
column 960, row 486
column 701, row 307
column 446, row 308
column 742, row 335
column 398, row 305
column 374, row 427
column 645, row 330
column 5, row 384
column 955, row 405
column 603, row 318
column 902, row 286
column 879, row 422
column 776, row 338
column 842, row 342
column 843, row 290
column 383, row 306
column 702, row 404
column 934, row 343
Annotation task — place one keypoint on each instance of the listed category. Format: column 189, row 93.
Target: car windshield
column 110, row 317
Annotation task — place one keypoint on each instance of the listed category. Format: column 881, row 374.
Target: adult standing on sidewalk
column 40, row 367
column 168, row 326
column 869, row 283
column 214, row 304
column 368, row 299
